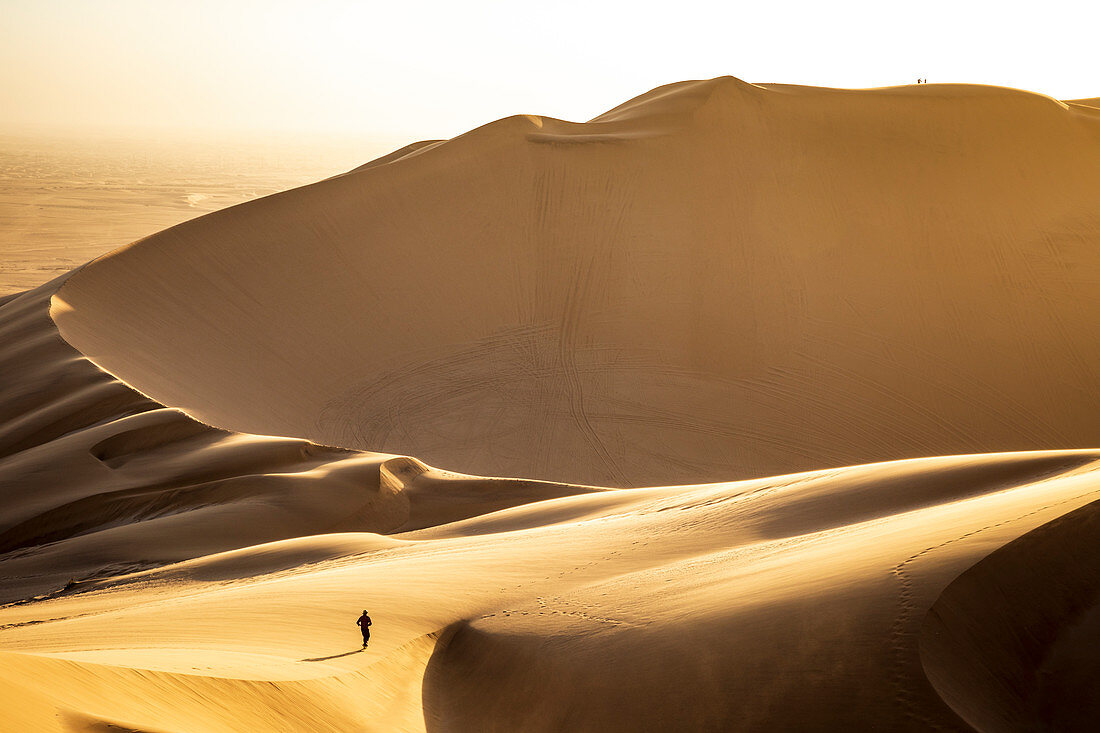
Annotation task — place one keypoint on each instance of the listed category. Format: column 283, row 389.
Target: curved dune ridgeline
column 714, row 282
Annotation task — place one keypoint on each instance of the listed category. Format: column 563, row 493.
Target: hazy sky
column 403, row 70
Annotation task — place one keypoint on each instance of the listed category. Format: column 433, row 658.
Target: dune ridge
column 169, row 564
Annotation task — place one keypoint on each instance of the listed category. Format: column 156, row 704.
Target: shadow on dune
column 335, row 656
column 1010, row 644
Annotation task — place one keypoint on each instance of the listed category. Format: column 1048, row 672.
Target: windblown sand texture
column 668, row 329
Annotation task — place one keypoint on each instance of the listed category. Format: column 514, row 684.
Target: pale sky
column 403, row 71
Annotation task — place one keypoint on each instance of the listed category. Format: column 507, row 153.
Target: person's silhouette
column 364, row 626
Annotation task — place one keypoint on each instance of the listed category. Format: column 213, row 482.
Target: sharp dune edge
column 714, row 282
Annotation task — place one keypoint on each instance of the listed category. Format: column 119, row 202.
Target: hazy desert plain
column 738, row 407
column 66, row 199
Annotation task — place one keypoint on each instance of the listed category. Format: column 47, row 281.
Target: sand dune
column 759, row 307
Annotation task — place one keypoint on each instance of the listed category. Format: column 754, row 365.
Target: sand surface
column 707, row 344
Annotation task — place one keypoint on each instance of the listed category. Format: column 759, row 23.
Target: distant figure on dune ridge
column 364, row 626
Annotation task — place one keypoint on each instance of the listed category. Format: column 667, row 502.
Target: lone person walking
column 364, row 626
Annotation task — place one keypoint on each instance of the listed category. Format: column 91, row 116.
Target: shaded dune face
column 1010, row 644
column 712, row 281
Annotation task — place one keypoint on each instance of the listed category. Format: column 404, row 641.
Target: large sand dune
column 713, row 282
